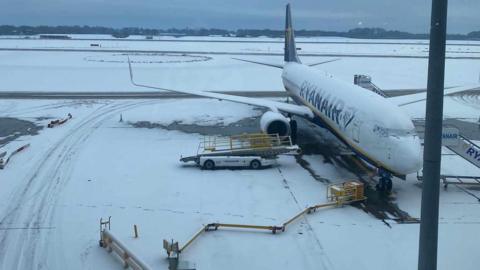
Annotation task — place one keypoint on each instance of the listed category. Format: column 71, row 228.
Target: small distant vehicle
column 253, row 162
column 58, row 122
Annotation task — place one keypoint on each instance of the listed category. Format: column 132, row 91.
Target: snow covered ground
column 242, row 39
column 95, row 166
column 107, row 71
column 53, row 195
column 252, row 45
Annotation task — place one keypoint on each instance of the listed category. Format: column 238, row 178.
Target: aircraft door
column 356, row 131
column 380, row 141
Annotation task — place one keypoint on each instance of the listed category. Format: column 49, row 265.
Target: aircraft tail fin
column 290, row 48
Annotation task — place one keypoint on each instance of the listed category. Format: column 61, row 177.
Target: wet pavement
column 247, row 125
column 13, row 128
column 315, row 140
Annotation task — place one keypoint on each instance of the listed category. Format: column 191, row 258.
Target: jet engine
column 275, row 123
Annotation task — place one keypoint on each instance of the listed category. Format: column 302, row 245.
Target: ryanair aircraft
column 374, row 127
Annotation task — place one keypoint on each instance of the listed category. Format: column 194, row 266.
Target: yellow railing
column 243, row 141
column 337, row 194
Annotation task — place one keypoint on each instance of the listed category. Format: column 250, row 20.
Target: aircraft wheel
column 209, row 165
column 381, row 185
column 255, row 164
column 388, row 185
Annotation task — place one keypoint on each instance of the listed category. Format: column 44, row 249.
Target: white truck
column 253, row 162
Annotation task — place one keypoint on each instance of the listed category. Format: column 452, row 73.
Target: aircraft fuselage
column 373, row 127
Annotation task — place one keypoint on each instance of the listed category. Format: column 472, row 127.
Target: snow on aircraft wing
column 260, row 63
column 281, row 66
column 270, row 104
column 414, row 98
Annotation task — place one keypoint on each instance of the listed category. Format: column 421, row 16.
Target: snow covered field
column 250, row 45
column 53, row 194
column 107, row 71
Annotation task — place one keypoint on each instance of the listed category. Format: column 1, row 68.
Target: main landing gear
column 293, row 129
column 385, row 182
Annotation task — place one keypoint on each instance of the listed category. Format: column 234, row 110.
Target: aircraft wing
column 414, row 98
column 281, row 66
column 269, row 104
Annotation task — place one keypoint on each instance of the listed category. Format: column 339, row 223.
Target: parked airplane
column 372, row 126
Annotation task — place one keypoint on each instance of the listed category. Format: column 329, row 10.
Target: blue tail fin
column 290, row 49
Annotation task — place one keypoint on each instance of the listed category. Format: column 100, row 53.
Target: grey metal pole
column 427, row 254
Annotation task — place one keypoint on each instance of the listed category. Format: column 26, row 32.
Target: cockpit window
column 380, row 131
column 386, row 132
column 400, row 132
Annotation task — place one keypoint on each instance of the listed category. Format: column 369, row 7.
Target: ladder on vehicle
column 256, row 144
column 365, row 81
column 467, row 149
column 453, row 140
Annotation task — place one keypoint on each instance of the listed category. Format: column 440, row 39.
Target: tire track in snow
column 44, row 107
column 30, row 194
column 325, row 261
column 30, row 249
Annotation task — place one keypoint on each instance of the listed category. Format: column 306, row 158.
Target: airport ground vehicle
column 253, row 162
column 245, row 150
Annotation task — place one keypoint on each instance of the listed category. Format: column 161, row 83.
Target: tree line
column 367, row 33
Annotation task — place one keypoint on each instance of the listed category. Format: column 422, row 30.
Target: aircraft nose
column 413, row 157
column 409, row 156
column 417, row 158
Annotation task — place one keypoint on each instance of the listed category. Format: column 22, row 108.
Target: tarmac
column 159, row 94
column 13, row 128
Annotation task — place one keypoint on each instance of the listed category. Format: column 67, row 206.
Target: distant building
column 54, row 37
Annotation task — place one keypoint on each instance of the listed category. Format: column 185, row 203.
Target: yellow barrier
column 337, row 194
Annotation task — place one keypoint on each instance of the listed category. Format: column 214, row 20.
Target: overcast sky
column 336, row 15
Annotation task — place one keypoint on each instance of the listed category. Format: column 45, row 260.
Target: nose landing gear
column 385, row 182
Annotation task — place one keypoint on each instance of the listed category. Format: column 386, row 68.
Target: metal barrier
column 3, row 162
column 111, row 243
column 458, row 180
column 338, row 195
